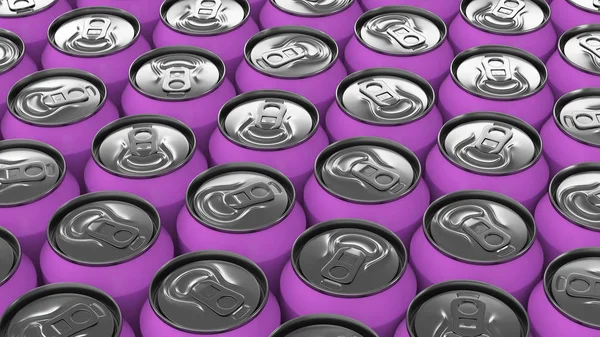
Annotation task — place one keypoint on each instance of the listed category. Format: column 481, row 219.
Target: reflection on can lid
column 16, row 8
column 312, row 7
column 466, row 308
column 490, row 143
column 323, row 325
column 385, row 96
column 571, row 284
column 349, row 258
column 10, row 255
column 592, row 6
column 577, row 114
column 208, row 292
column 204, row 17
column 580, row 46
column 12, row 50
column 506, row 16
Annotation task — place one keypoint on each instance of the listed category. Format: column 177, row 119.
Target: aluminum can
column 388, row 103
column 567, row 14
column 293, row 58
column 92, row 38
column 576, row 63
column 404, row 37
column 481, row 236
column 221, row 26
column 175, row 82
column 488, row 151
column 210, row 292
column 152, row 156
column 564, row 302
column 101, row 237
column 446, row 10
column 497, row 78
column 464, row 308
column 271, row 127
column 325, row 325
column 56, row 106
column 349, row 267
column 17, row 272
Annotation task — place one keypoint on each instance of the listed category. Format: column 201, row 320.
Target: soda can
column 446, row 10
column 564, row 303
column 65, row 309
column 92, row 38
column 388, row 103
column 368, row 178
column 326, row 325
column 404, row 37
column 17, row 272
column 567, row 14
column 101, row 237
column 481, row 236
column 488, row 151
column 212, row 293
column 175, row 81
column 497, row 78
column 464, row 308
column 271, row 127
column 34, row 182
column 56, row 106
column 152, row 156
column 221, row 26
column 349, row 267
column 293, row 58
column 523, row 24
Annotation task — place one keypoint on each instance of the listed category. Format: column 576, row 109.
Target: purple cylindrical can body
column 567, row 14
column 446, row 10
column 18, row 274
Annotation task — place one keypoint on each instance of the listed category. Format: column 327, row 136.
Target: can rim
column 16, row 39
column 384, row 71
column 203, row 255
column 78, row 12
column 149, row 55
column 318, row 319
column 218, row 170
column 318, row 34
column 582, row 7
column 501, row 199
column 568, row 98
column 122, row 122
column 444, row 287
column 349, row 223
column 553, row 267
column 567, row 35
column 13, row 242
column 527, row 129
column 26, row 14
column 287, row 11
column 269, row 93
column 494, row 48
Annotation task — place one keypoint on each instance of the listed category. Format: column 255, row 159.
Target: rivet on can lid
column 509, row 17
column 10, row 255
column 208, row 292
column 577, row 114
column 323, row 325
column 12, row 50
column 18, row 8
column 580, row 46
column 312, row 8
column 204, row 17
column 592, row 6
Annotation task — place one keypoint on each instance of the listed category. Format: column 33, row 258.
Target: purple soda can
column 488, row 151
column 271, row 127
column 404, row 37
column 464, row 308
column 102, row 237
column 446, row 10
column 349, row 267
column 565, row 302
column 65, row 309
column 101, row 40
column 34, row 181
column 481, row 236
column 56, row 106
column 17, row 272
column 152, row 156
column 210, row 293
column 176, row 81
column 387, row 103
column 221, row 26
column 325, row 325
column 567, row 14
column 497, row 78
column 293, row 58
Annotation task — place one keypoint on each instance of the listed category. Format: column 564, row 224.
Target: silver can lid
column 93, row 31
column 312, row 8
column 291, row 51
column 577, row 114
column 385, row 96
column 580, row 46
column 508, row 17
column 592, row 6
column 10, row 255
column 177, row 73
column 12, row 50
column 490, row 143
column 323, row 325
column 204, row 17
column 19, row 8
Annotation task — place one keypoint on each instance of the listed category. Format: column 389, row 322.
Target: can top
column 20, row 8
column 349, row 258
column 143, row 146
column 291, row 52
column 10, row 255
column 93, row 31
column 385, row 96
column 506, row 17
column 312, row 8
column 323, row 325
column 204, row 17
column 499, row 72
column 571, row 284
column 592, row 6
column 12, row 50
column 240, row 197
column 580, row 47
column 490, row 143
column 466, row 308
column 208, row 292
column 577, row 114
column 63, row 309
column 177, row 73
column 479, row 227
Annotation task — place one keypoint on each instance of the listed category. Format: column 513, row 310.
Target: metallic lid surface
column 312, row 8
column 20, row 8
column 580, row 46
column 506, row 16
column 592, row 6
column 575, row 193
column 323, row 325
column 12, row 50
column 10, row 255
column 204, row 17
column 577, row 114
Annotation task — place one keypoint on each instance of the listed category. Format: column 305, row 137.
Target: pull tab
column 107, row 230
column 508, row 9
column 406, row 36
column 482, row 232
column 65, row 96
column 375, row 175
column 490, row 141
column 594, row 198
column 95, row 28
column 379, row 92
column 207, row 9
column 177, row 80
column 23, row 173
column 250, row 195
column 21, row 5
column 279, row 57
column 343, row 267
column 143, row 141
column 74, row 320
column 467, row 313
column 593, row 286
column 270, row 120
column 223, row 301
column 585, row 115
column 591, row 44
column 497, row 68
